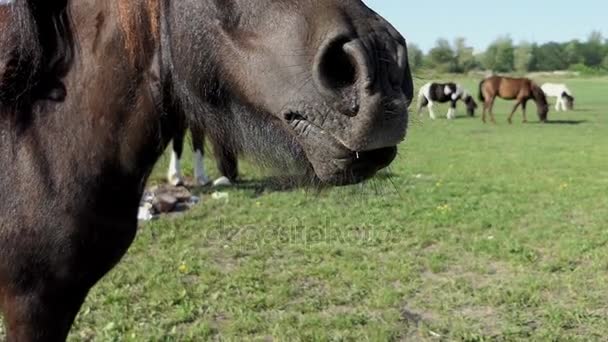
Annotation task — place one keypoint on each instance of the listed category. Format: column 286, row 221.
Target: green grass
column 483, row 233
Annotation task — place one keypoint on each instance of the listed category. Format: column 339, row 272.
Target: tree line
column 503, row 55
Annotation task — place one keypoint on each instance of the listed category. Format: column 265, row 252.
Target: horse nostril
column 337, row 69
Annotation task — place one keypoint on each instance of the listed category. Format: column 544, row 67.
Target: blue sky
column 481, row 21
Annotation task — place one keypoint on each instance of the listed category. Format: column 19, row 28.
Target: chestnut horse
column 89, row 95
column 519, row 89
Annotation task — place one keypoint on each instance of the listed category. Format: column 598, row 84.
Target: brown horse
column 520, row 89
column 89, row 95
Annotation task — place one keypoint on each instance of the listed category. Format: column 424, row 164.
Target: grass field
column 480, row 233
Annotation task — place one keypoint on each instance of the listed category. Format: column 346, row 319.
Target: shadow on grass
column 283, row 184
column 565, row 122
column 264, row 185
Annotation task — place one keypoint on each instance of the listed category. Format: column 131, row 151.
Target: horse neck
column 537, row 93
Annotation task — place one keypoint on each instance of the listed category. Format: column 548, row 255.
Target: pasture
column 475, row 233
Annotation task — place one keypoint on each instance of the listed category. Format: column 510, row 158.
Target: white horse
column 445, row 92
column 563, row 95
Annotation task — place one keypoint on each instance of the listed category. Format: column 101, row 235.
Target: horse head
column 325, row 83
column 569, row 100
column 470, row 104
column 542, row 106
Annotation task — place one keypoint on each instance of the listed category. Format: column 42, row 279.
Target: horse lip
column 302, row 126
column 300, row 123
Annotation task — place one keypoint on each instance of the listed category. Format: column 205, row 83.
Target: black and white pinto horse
column 227, row 162
column 445, row 92
column 564, row 100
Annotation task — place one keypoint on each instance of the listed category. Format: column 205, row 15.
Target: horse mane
column 538, row 93
column 37, row 51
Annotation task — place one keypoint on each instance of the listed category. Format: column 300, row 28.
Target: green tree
column 415, row 56
column 605, row 63
column 550, row 56
column 441, row 57
column 464, row 55
column 572, row 51
column 500, row 55
column 523, row 57
column 593, row 51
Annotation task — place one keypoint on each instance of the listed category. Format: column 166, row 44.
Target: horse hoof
column 203, row 181
column 222, row 181
column 175, row 180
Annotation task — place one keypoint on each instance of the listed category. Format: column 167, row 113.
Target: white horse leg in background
column 174, row 174
column 424, row 95
column 560, row 104
column 452, row 111
column 454, row 96
column 431, row 111
column 198, row 148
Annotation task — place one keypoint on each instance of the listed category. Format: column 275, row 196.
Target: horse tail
column 481, row 96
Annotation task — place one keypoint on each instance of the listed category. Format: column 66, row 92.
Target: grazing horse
column 520, row 89
column 442, row 93
column 563, row 95
column 321, row 86
column 227, row 162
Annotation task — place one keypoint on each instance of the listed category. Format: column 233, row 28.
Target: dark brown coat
column 298, row 82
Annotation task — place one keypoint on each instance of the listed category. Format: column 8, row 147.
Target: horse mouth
column 333, row 162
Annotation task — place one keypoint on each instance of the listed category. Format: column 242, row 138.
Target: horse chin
column 332, row 162
column 356, row 168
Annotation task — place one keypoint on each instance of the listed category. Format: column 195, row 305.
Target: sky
column 481, row 21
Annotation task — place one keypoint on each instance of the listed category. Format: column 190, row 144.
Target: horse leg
column 452, row 111
column 491, row 110
column 420, row 106
column 558, row 103
column 510, row 119
column 42, row 315
column 422, row 102
column 431, row 112
column 227, row 164
column 174, row 175
column 523, row 108
column 198, row 146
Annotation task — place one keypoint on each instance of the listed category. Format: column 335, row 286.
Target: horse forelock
column 136, row 18
column 21, row 54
